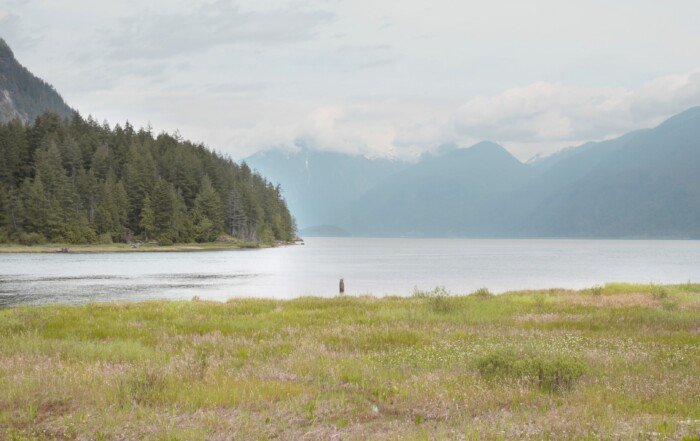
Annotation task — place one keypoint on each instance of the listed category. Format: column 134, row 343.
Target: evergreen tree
column 119, row 207
column 208, row 212
column 148, row 218
column 100, row 162
column 36, row 207
column 236, row 219
column 163, row 203
column 89, row 191
column 72, row 180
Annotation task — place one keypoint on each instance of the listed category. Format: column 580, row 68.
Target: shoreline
column 126, row 248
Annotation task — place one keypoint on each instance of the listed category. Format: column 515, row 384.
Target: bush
column 78, row 232
column 32, row 239
column 165, row 240
column 205, row 231
column 267, row 237
column 659, row 293
column 439, row 299
column 596, row 290
column 552, row 373
column 482, row 293
column 441, row 304
column 438, row 291
column 104, row 239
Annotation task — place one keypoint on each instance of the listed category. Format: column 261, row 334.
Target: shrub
column 419, row 293
column 438, row 291
column 165, row 240
column 482, row 293
column 552, row 373
column 441, row 304
column 267, row 237
column 596, row 290
column 439, row 299
column 32, row 239
column 78, row 233
column 659, row 293
column 104, row 239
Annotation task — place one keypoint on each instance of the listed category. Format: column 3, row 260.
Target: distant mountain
column 24, row 96
column 645, row 184
column 445, row 195
column 319, row 185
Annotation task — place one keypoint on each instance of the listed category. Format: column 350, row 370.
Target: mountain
column 644, row 184
column 324, row 231
column 318, row 184
column 24, row 96
column 446, row 195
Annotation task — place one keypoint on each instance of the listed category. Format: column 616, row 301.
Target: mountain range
column 645, row 184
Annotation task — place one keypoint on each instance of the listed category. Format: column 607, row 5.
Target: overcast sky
column 377, row 77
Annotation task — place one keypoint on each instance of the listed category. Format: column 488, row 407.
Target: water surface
column 377, row 266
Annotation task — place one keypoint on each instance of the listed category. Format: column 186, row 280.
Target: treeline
column 77, row 181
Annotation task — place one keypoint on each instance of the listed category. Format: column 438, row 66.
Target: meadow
column 613, row 362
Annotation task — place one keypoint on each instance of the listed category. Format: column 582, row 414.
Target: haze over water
column 376, row 266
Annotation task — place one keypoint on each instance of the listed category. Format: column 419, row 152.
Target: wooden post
column 342, row 286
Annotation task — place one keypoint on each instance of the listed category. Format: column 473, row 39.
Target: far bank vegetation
column 79, row 182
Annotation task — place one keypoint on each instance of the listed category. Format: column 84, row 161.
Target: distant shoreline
column 126, row 248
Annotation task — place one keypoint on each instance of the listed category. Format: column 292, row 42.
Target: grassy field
column 125, row 248
column 615, row 362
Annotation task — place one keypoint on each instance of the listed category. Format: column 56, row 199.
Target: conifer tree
column 148, row 218
column 208, row 212
column 35, row 206
column 72, row 180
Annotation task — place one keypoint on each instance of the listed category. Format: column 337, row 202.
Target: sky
column 374, row 77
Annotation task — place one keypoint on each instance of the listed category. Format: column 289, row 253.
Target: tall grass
column 617, row 364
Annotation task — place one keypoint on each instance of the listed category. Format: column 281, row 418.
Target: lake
column 368, row 265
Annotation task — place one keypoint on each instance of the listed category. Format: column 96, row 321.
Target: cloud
column 11, row 30
column 555, row 112
column 536, row 119
column 223, row 22
column 374, row 127
column 364, row 76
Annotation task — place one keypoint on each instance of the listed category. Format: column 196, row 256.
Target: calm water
column 378, row 266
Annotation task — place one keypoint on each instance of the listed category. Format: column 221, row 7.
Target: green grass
column 614, row 362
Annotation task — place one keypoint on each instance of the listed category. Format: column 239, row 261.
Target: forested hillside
column 22, row 95
column 77, row 181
